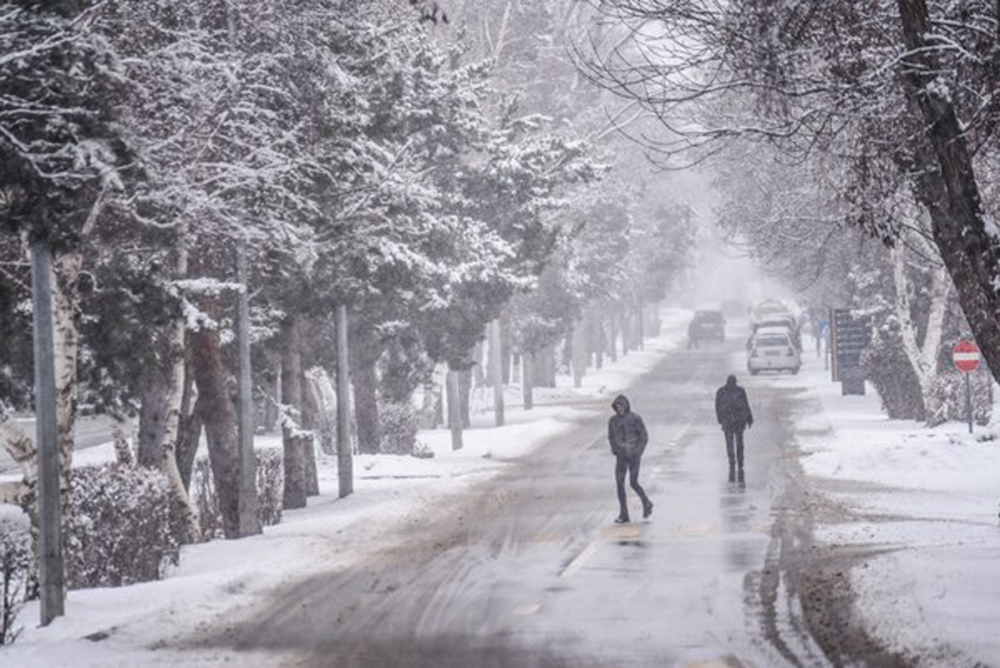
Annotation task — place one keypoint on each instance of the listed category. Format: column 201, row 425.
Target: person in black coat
column 732, row 409
column 627, row 436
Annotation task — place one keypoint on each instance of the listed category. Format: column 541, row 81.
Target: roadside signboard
column 966, row 356
column 849, row 337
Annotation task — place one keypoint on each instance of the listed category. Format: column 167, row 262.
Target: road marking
column 623, row 532
column 526, row 610
column 581, row 559
column 547, row 537
column 697, row 529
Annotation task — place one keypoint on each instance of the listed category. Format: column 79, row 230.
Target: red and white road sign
column 965, row 356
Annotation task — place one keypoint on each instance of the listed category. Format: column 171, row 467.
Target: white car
column 773, row 349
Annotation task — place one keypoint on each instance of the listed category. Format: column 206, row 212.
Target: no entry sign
column 965, row 356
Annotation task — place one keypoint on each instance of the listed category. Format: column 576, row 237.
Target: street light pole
column 51, row 572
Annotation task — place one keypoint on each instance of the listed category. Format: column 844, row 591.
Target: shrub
column 889, row 370
column 122, row 527
column 14, row 561
column 422, row 451
column 398, row 423
column 270, row 486
column 948, row 398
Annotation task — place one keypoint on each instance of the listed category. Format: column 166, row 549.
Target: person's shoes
column 621, row 519
column 647, row 509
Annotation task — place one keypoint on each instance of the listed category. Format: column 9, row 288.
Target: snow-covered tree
column 893, row 89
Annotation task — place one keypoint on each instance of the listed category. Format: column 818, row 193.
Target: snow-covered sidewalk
column 123, row 626
column 922, row 505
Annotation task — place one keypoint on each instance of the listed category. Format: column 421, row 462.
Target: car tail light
column 753, row 353
column 791, row 352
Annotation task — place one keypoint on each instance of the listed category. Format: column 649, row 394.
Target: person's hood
column 731, row 381
column 621, row 399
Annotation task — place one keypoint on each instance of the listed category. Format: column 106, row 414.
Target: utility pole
column 247, row 500
column 51, row 570
column 345, row 463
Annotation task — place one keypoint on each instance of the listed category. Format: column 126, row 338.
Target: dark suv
column 706, row 326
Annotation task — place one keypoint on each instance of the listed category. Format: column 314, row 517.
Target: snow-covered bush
column 270, row 486
column 398, row 424
column 948, row 398
column 122, row 527
column 422, row 451
column 14, row 553
column 889, row 370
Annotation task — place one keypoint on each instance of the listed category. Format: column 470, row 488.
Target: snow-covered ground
column 927, row 506
column 928, row 502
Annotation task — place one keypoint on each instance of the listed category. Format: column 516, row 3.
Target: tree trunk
column 365, row 385
column 454, row 410
column 220, row 425
column 190, row 431
column 321, row 399
column 923, row 359
column 612, row 337
column 152, row 419
column 465, row 396
column 578, row 359
column 159, row 432
column 527, row 374
column 65, row 296
column 271, row 412
column 292, row 436
column 24, row 453
column 640, row 321
column 950, row 192
column 506, row 351
column 495, row 374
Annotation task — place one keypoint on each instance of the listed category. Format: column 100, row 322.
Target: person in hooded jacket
column 732, row 409
column 627, row 436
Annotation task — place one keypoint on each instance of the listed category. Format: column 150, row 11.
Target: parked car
column 772, row 349
column 706, row 326
column 783, row 321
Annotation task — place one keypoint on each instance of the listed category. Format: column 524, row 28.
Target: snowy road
column 530, row 571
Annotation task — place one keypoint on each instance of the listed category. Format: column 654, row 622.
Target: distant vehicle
column 787, row 321
column 706, row 325
column 771, row 308
column 772, row 349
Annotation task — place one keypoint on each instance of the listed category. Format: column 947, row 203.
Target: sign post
column 965, row 356
column 849, row 336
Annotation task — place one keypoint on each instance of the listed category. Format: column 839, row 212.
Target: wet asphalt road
column 530, row 571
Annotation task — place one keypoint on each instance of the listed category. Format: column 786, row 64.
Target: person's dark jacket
column 731, row 406
column 626, row 432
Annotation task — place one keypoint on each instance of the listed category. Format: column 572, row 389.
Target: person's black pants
column 628, row 465
column 734, row 437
